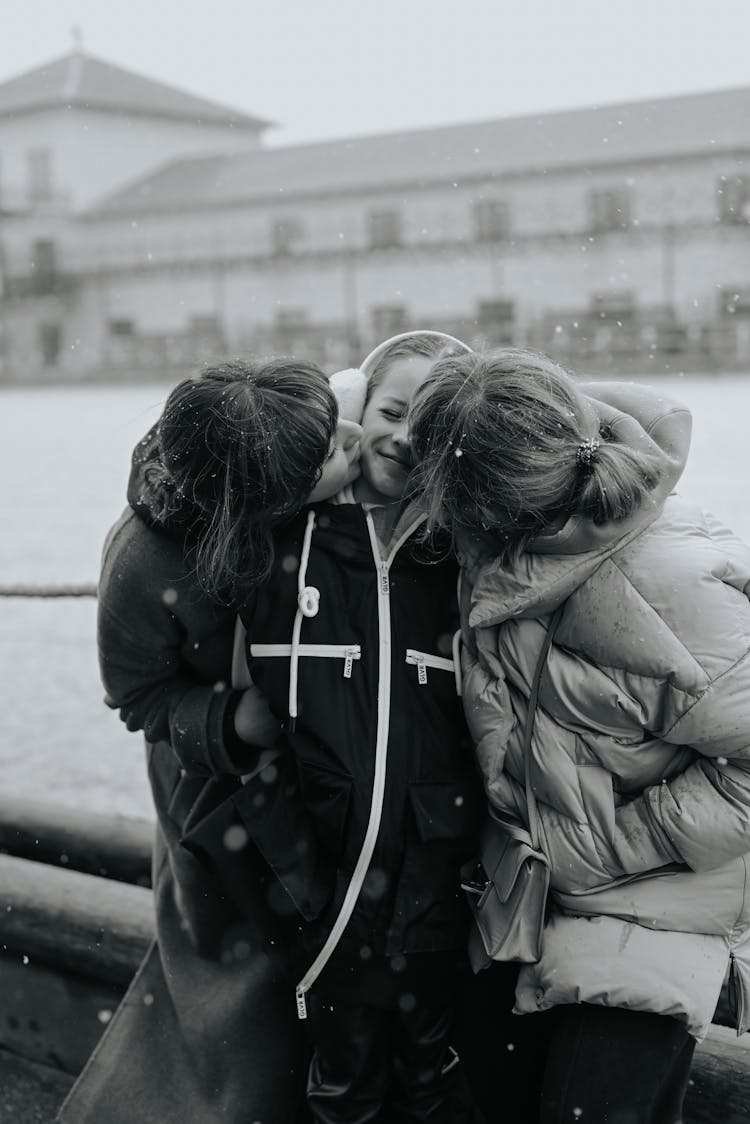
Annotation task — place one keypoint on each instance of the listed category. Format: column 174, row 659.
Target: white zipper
column 381, row 752
column 423, row 661
column 346, row 652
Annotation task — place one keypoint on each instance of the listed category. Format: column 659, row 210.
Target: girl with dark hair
column 235, row 454
column 223, row 473
column 640, row 755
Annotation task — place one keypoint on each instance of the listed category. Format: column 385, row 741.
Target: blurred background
column 183, row 182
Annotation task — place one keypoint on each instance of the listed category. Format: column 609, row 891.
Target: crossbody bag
column 507, row 885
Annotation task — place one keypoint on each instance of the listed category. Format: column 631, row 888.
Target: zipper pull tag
column 385, row 584
column 301, row 1004
column 348, row 662
column 421, row 671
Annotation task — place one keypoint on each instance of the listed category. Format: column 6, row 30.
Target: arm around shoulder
column 702, row 816
column 644, row 418
column 141, row 636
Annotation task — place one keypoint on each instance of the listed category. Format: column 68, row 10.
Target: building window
column 388, row 320
column 609, row 209
column 733, row 199
column 286, row 234
column 490, row 220
column 495, row 321
column 43, row 267
column 50, row 340
column 385, row 229
column 121, row 328
column 292, row 331
column 735, row 301
column 39, row 169
column 614, row 306
column 292, row 319
column 205, row 324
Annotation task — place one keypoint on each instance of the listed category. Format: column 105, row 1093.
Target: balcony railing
column 40, row 284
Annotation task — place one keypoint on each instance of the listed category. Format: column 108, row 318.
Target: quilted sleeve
column 704, row 813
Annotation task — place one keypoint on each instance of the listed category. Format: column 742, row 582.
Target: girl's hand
column 253, row 721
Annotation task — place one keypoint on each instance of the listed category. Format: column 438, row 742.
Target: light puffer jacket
column 641, row 746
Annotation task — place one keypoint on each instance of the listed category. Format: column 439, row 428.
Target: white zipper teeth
column 413, row 656
column 399, row 542
column 381, row 750
column 330, row 651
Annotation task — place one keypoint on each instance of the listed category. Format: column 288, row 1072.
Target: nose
column 401, row 435
column 348, row 433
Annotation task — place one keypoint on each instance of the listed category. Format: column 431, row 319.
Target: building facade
column 614, row 238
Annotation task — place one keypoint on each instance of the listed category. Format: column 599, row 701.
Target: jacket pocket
column 444, row 810
column 185, row 796
column 423, row 660
column 345, row 652
column 270, row 810
column 327, row 795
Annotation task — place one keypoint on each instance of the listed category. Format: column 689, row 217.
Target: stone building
column 144, row 231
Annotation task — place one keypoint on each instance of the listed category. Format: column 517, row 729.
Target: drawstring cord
column 308, row 603
column 456, row 653
column 457, row 636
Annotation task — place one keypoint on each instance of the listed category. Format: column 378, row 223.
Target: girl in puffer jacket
column 640, row 756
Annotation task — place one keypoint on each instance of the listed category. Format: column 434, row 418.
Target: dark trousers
column 596, row 1065
column 383, row 1055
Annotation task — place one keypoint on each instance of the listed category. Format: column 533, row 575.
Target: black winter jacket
column 385, row 765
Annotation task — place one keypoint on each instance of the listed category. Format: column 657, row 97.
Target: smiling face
column 386, row 458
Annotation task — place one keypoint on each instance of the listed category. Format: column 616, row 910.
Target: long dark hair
column 241, row 447
column 504, row 451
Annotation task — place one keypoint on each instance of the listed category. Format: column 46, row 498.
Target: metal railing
column 73, row 589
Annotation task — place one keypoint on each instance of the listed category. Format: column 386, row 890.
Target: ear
column 350, row 388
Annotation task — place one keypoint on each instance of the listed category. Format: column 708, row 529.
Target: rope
column 84, row 589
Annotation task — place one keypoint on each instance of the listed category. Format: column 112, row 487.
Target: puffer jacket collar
column 555, row 565
column 538, row 583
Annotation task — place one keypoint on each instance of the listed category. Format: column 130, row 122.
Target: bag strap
column 534, row 824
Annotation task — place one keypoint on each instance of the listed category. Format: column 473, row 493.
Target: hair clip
column 587, row 452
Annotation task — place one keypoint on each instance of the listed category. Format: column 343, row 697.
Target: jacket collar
column 542, row 580
column 555, row 565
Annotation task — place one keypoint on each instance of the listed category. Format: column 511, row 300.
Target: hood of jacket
column 145, row 495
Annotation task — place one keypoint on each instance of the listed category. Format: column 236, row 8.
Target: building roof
column 643, row 130
column 80, row 80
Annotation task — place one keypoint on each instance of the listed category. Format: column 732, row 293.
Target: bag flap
column 503, row 857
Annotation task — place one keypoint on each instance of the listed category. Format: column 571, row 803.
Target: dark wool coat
column 208, row 1031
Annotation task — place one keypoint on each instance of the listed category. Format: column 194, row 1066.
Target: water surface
column 64, row 459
